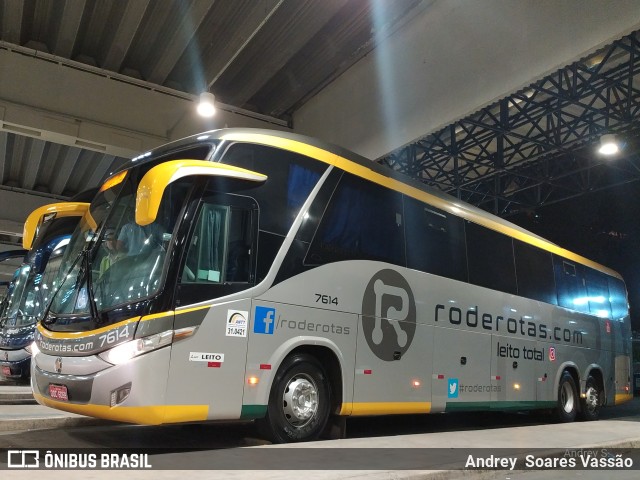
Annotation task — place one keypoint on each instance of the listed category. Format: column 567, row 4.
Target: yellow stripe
column 458, row 209
column 153, row 316
column 74, row 335
column 148, row 415
column 192, row 309
column 384, row 408
column 623, row 397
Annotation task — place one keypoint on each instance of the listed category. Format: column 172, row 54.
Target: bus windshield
column 32, row 289
column 111, row 260
column 12, row 315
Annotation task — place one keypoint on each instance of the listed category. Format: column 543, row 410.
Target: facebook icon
column 264, row 320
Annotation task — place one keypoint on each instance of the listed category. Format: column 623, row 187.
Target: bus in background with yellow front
column 47, row 232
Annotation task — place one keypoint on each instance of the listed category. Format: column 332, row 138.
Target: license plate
column 58, row 392
column 6, row 371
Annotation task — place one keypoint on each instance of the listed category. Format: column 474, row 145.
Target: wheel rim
column 591, row 399
column 567, row 398
column 300, row 400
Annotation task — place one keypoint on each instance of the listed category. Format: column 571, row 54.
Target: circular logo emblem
column 388, row 315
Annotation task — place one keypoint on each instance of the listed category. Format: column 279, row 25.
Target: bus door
column 208, row 365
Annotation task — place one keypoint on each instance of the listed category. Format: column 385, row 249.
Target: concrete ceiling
column 87, row 84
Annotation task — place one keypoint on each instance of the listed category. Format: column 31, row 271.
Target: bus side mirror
column 48, row 212
column 156, row 180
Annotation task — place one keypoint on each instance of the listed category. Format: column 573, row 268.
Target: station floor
column 622, row 431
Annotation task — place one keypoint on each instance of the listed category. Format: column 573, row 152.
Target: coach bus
column 46, row 234
column 269, row 276
column 9, row 256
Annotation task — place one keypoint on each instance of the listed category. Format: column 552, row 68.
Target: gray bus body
column 354, row 292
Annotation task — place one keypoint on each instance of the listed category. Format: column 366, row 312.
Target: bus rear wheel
column 593, row 400
column 567, row 399
column 299, row 401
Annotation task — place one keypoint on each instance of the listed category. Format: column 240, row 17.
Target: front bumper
column 17, row 364
column 92, row 385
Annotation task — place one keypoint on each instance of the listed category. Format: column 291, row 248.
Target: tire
column 593, row 400
column 567, row 407
column 299, row 401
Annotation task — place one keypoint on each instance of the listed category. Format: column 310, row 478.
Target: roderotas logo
column 388, row 315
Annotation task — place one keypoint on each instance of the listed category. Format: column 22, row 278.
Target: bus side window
column 435, row 241
column 597, row 293
column 618, row 298
column 491, row 262
column 206, row 250
column 572, row 292
column 290, row 179
column 534, row 271
column 363, row 221
column 220, row 247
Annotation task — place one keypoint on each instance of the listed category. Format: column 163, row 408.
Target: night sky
column 602, row 226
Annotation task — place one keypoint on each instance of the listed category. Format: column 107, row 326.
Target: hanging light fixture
column 206, row 105
column 609, row 144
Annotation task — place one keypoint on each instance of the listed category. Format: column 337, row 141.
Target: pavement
column 18, row 413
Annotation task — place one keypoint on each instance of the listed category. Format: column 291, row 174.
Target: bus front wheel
column 567, row 399
column 299, row 401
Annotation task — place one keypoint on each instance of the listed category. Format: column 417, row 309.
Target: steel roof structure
column 538, row 146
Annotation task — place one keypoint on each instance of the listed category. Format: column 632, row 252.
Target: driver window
column 206, row 251
column 220, row 247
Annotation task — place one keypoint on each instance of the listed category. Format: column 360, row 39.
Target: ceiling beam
column 64, row 172
column 66, row 102
column 33, row 163
column 125, row 33
column 179, row 39
column 69, row 27
column 104, row 162
column 12, row 21
column 252, row 22
column 276, row 47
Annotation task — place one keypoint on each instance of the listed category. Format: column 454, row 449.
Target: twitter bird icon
column 453, row 388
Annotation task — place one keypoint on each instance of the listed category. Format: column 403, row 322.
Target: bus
column 272, row 277
column 9, row 256
column 46, row 234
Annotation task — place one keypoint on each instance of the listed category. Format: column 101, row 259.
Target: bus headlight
column 126, row 351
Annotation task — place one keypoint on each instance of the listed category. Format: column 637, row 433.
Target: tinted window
column 291, row 177
column 220, row 247
column 534, row 270
column 597, row 293
column 363, row 221
column 435, row 240
column 490, row 256
column 220, row 254
column 618, row 298
column 572, row 292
